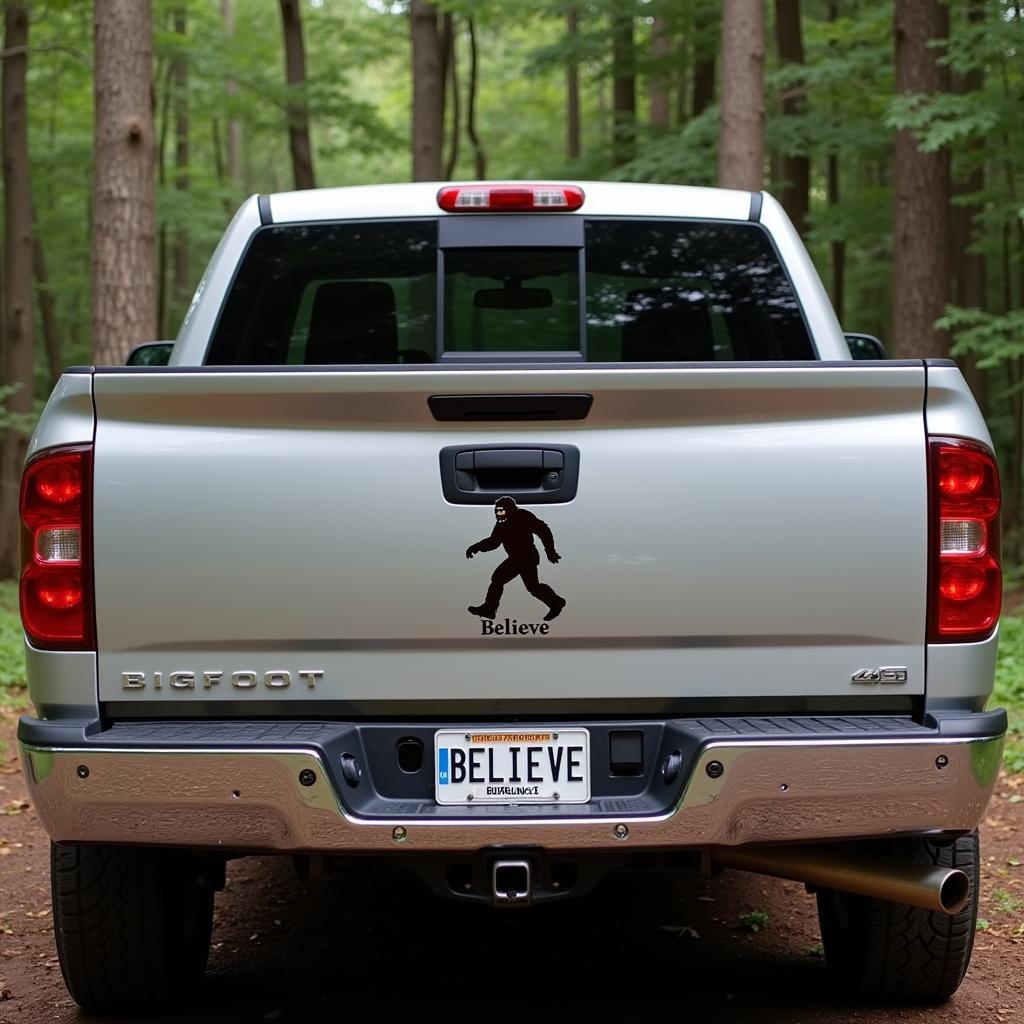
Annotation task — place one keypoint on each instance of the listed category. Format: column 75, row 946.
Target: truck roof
column 602, row 198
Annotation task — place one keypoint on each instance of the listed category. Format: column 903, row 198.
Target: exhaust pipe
column 920, row 885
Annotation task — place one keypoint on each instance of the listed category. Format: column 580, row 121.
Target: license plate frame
column 477, row 766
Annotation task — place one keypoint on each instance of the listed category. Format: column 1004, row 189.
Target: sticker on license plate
column 504, row 766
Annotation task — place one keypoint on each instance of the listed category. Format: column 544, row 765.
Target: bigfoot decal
column 513, row 530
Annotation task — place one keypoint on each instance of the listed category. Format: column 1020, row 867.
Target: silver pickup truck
column 512, row 534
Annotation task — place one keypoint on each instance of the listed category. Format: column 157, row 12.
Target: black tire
column 132, row 923
column 891, row 951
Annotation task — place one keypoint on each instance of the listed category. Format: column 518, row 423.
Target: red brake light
column 966, row 576
column 56, row 577
column 510, row 198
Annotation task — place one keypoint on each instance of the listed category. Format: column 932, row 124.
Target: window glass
column 333, row 293
column 688, row 291
column 511, row 300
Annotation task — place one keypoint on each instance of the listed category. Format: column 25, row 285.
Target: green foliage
column 994, row 338
column 12, row 643
column 1009, row 688
column 755, row 920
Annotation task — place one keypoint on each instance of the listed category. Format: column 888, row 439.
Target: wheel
column 892, row 951
column 132, row 923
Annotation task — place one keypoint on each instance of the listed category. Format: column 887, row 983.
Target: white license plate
column 505, row 766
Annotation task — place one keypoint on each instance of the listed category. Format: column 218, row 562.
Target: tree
column 234, row 127
column 796, row 167
column 572, row 87
column 741, row 130
column 703, row 65
column 921, row 226
column 179, row 75
column 623, row 86
column 479, row 156
column 298, row 113
column 658, row 86
column 427, row 92
column 124, row 207
column 17, row 290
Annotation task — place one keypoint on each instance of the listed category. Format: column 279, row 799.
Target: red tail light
column 510, row 198
column 56, row 542
column 966, row 577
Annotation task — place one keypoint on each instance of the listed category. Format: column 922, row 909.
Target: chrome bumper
column 770, row 791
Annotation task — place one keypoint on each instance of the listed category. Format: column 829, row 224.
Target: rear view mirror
column 512, row 298
column 865, row 346
column 152, row 353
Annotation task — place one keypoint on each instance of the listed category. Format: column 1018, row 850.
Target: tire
column 132, row 923
column 891, row 951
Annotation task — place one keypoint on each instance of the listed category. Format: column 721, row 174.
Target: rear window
column 638, row 291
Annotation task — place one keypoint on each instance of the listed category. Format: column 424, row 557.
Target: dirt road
column 378, row 948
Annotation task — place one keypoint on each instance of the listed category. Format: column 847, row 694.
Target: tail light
column 56, row 542
column 966, row 578
column 510, row 198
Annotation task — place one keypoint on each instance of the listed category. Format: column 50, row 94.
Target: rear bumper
column 804, row 788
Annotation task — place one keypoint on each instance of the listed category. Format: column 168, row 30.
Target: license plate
column 503, row 766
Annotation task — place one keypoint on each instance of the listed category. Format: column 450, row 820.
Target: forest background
column 891, row 129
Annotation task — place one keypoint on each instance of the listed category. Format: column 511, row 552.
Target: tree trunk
column 479, row 157
column 17, row 287
column 427, row 92
column 658, row 87
column 832, row 185
column 124, row 208
column 623, row 89
column 703, row 63
column 164, row 121
column 921, row 192
column 969, row 267
column 234, row 127
column 741, row 131
column 450, row 64
column 298, row 113
column 796, row 168
column 47, row 313
column 572, row 90
column 179, row 75
column 838, row 246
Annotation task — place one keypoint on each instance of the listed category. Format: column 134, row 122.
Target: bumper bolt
column 621, row 832
column 941, row 761
column 399, row 834
column 307, row 776
column 715, row 769
column 82, row 771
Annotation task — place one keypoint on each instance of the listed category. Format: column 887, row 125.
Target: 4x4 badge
column 880, row 675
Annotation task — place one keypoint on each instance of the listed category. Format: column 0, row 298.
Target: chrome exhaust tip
column 919, row 885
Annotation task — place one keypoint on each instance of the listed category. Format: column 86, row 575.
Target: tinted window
column 688, row 291
column 684, row 291
column 511, row 300
column 333, row 293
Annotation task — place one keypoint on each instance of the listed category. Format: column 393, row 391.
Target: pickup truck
column 512, row 534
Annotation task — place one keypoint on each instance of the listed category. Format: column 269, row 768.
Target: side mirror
column 152, row 353
column 865, row 346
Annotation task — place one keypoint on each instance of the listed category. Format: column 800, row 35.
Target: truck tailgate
column 745, row 531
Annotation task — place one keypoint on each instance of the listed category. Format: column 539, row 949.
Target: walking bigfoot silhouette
column 514, row 528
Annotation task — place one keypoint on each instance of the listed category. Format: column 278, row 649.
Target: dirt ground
column 639, row 949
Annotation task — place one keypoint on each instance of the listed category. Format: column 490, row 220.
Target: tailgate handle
column 532, row 474
column 495, row 408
